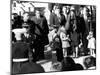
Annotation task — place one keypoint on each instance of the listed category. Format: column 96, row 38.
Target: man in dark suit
column 41, row 31
column 56, row 18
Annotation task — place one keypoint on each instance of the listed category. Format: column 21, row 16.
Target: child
column 65, row 41
column 75, row 42
column 91, row 43
column 56, row 45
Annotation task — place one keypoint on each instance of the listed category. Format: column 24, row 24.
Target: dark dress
column 81, row 28
column 75, row 38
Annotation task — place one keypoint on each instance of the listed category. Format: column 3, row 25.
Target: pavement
column 51, row 56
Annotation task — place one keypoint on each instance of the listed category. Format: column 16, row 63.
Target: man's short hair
column 26, row 13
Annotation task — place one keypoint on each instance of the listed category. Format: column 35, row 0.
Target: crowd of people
column 71, row 32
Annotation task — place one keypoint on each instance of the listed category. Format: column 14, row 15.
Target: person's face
column 67, row 9
column 57, row 11
column 91, row 34
column 25, row 17
column 32, row 9
column 64, row 9
column 37, row 13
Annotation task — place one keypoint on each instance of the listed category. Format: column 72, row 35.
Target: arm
column 88, row 37
column 46, row 28
column 51, row 20
column 80, row 37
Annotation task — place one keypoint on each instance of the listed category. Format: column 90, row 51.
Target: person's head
column 57, row 10
column 37, row 13
column 80, row 14
column 25, row 16
column 89, row 62
column 14, row 15
column 72, row 14
column 56, row 66
column 57, row 39
column 91, row 33
column 54, row 7
column 86, row 11
column 64, row 9
column 26, row 26
column 62, row 29
column 68, row 9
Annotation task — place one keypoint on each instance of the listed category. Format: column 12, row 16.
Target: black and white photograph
column 51, row 37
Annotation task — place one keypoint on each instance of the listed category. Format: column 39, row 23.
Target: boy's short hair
column 89, row 62
column 57, row 66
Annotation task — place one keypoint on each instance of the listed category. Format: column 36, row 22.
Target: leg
column 41, row 53
column 91, row 52
column 65, row 55
column 36, row 54
column 76, row 51
column 63, row 52
column 59, row 54
column 94, row 53
column 73, row 48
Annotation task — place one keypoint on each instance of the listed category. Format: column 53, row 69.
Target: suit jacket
column 41, row 26
column 55, row 21
column 41, row 29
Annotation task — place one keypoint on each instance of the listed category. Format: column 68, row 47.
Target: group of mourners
column 72, row 32
column 68, row 31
